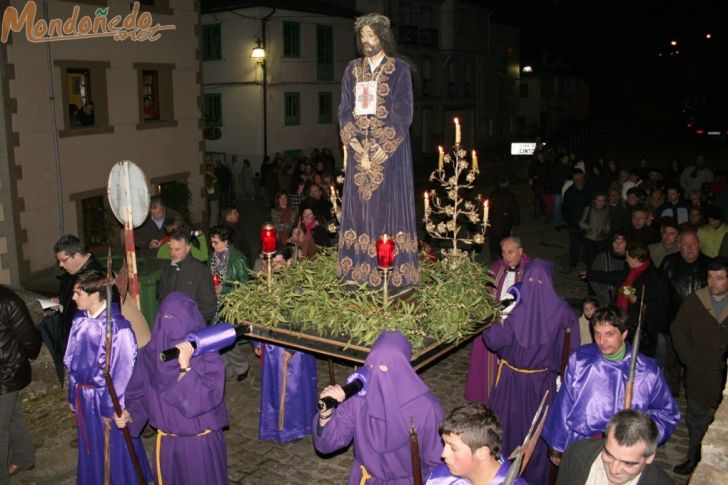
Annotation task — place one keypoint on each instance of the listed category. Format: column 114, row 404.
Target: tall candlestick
column 346, row 157
column 475, row 162
column 485, row 215
column 457, row 131
column 440, row 159
column 427, row 204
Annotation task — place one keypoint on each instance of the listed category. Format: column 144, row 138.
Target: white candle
column 440, row 159
column 333, row 196
column 346, row 157
column 427, row 204
column 457, row 131
column 475, row 162
column 485, row 215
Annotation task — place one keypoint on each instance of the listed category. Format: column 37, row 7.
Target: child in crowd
column 589, row 305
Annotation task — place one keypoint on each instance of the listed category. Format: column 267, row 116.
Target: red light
column 385, row 251
column 268, row 238
column 699, row 132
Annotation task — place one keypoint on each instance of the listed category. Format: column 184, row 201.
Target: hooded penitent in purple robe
column 379, row 421
column 442, row 476
column 300, row 396
column 593, row 392
column 529, row 344
column 484, row 364
column 188, row 411
column 85, row 359
column 378, row 194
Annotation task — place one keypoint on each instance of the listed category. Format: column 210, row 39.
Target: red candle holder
column 385, row 251
column 268, row 239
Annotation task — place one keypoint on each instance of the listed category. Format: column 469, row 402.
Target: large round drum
column 128, row 193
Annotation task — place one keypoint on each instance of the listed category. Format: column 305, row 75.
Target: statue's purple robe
column 300, row 398
column 529, row 344
column 189, row 412
column 484, row 364
column 87, row 392
column 593, row 392
column 379, row 198
column 442, row 476
column 379, row 421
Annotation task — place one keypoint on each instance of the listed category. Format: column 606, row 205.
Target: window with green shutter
column 213, row 110
column 291, row 39
column 324, row 53
column 292, row 109
column 211, row 43
column 324, row 107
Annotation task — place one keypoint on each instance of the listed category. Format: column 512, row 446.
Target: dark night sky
column 594, row 37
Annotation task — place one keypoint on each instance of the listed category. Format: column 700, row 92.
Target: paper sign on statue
column 366, row 98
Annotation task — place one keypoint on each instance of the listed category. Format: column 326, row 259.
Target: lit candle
column 457, row 131
column 333, row 197
column 346, row 157
column 475, row 162
column 485, row 215
column 441, row 159
column 427, row 203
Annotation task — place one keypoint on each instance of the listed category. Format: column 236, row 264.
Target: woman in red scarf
column 640, row 275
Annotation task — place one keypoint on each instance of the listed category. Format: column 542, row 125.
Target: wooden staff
column 635, row 350
column 110, row 383
column 415, row 450
column 282, row 403
column 565, row 352
column 107, row 365
column 131, row 262
column 522, row 455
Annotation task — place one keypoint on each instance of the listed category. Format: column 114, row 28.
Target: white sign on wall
column 523, row 148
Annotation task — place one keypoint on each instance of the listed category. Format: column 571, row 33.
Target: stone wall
column 713, row 468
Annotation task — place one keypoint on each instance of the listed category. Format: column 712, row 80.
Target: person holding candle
column 378, row 197
column 230, row 267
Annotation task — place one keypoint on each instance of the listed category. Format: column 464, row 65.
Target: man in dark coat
column 505, row 214
column 187, row 275
column 576, row 198
column 148, row 237
column 627, row 453
column 20, row 342
column 700, row 337
column 686, row 271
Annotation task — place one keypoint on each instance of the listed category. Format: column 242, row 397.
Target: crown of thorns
column 370, row 19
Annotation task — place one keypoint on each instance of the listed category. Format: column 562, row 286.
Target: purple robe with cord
column 378, row 194
column 85, row 359
column 379, row 421
column 187, row 410
column 442, row 476
column 484, row 364
column 593, row 392
column 529, row 344
column 300, row 395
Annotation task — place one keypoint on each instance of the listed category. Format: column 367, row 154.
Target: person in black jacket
column 639, row 275
column 187, row 275
column 505, row 214
column 576, row 198
column 686, row 271
column 20, row 343
column 626, row 453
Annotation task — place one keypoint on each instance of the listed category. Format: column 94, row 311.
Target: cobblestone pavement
column 253, row 462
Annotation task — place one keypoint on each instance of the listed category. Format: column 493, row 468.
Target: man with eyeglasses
column 625, row 457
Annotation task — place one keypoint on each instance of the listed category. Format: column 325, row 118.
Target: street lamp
column 258, row 54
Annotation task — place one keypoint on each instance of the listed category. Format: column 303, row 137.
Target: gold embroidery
column 366, row 272
column 379, row 143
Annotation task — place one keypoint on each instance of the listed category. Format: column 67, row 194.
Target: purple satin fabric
column 213, row 338
column 593, row 391
column 300, row 399
column 87, row 392
column 442, row 476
